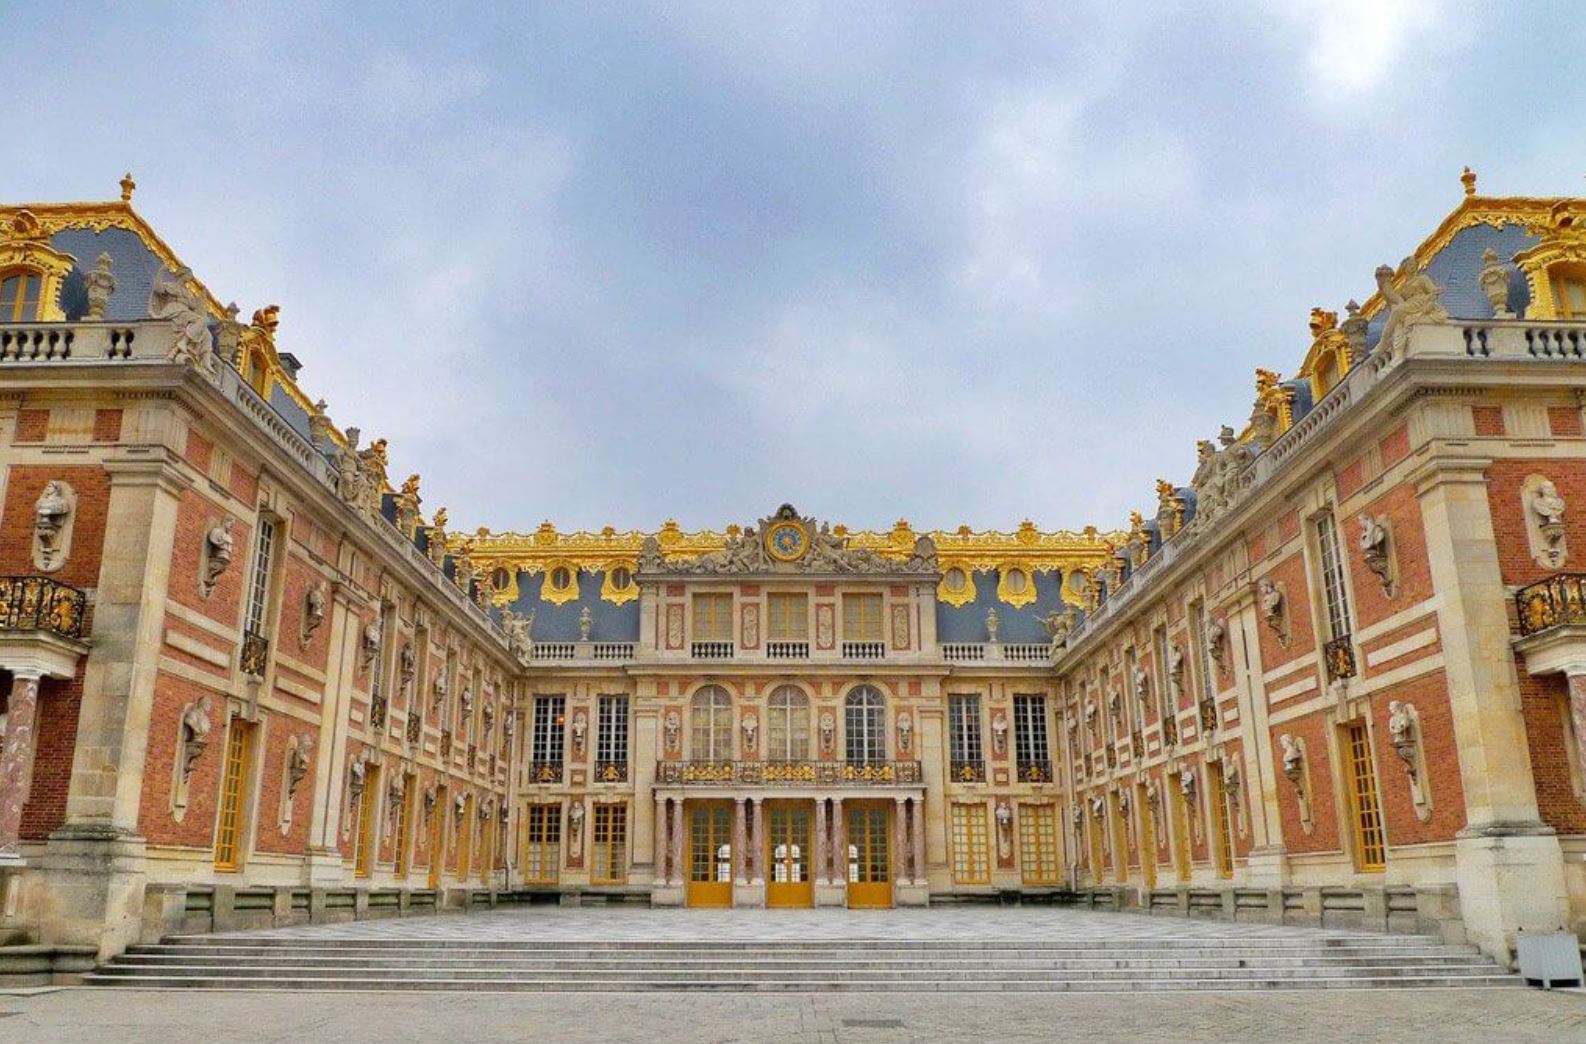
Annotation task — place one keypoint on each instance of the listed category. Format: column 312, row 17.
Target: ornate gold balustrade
column 788, row 773
column 1560, row 599
column 37, row 603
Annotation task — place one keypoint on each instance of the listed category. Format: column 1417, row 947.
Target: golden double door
column 869, row 828
column 710, row 853
column 788, row 853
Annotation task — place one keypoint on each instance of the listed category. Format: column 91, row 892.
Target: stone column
column 1508, row 864
column 757, row 842
column 93, row 866
column 679, row 875
column 839, row 843
column 324, row 863
column 16, row 761
column 822, row 868
column 658, row 875
column 739, row 842
column 917, row 827
column 900, row 839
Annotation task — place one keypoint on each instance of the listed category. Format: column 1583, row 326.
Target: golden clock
column 786, row 541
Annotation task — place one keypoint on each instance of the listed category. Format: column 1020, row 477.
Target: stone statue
column 219, row 546
column 650, row 559
column 1401, row 732
column 358, row 775
column 905, row 731
column 369, row 645
column 923, row 560
column 586, row 623
column 1412, row 302
column 1059, row 624
column 314, row 609
column 50, row 514
column 828, row 726
column 195, row 726
column 1494, row 280
column 751, row 729
column 575, row 819
column 993, row 625
column 1374, row 550
column 1215, row 633
column 297, row 764
column 406, row 664
column 1354, row 329
column 1175, row 667
column 1547, row 504
column 1272, row 607
column 999, row 732
column 171, row 300
column 1186, row 783
column 349, row 469
column 1142, row 685
column 519, row 640
column 673, row 725
column 580, row 730
column 1293, row 759
column 101, row 284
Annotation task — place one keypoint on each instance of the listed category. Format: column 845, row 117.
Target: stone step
column 1001, row 984
column 746, row 974
column 576, row 962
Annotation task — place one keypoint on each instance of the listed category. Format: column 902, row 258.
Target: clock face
column 786, row 541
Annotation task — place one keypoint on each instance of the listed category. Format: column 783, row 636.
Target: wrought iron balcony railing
column 545, row 772
column 255, row 653
column 37, row 603
column 1170, row 729
column 1208, row 713
column 415, row 726
column 1039, row 770
column 1560, row 599
column 789, row 773
column 1339, row 656
column 970, row 770
column 611, row 771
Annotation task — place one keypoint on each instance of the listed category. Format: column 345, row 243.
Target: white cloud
column 1355, row 46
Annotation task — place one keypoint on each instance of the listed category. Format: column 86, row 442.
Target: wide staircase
column 1298, row 961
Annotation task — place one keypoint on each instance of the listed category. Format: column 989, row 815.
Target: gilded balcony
column 789, row 773
column 1556, row 601
column 40, row 604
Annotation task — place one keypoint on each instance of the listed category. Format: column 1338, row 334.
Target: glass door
column 710, row 853
column 788, row 855
column 869, row 855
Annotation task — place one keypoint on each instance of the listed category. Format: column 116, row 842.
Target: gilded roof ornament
column 127, row 187
column 1467, row 178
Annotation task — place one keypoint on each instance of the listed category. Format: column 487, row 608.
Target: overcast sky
column 610, row 266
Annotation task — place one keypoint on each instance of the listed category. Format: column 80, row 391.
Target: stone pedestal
column 1510, row 878
column 831, row 894
column 89, row 889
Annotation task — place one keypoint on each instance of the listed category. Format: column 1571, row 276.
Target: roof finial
column 1468, row 178
column 127, row 185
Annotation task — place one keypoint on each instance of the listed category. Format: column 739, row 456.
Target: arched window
column 865, row 726
column 710, row 717
column 19, row 295
column 788, row 725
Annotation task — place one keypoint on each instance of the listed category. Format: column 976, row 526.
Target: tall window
column 1038, row 844
column 865, row 725
column 971, row 862
column 233, row 796
column 862, row 618
column 611, row 740
column 790, row 617
column 1370, row 848
column 1163, row 684
column 550, row 732
column 363, row 861
column 1333, row 589
column 19, row 297
column 1222, row 825
column 713, row 618
column 610, row 863
column 542, row 855
column 404, row 826
column 1569, row 292
column 1030, row 750
column 788, row 725
column 710, row 722
column 963, row 723
column 1203, row 653
column 377, row 683
column 259, row 581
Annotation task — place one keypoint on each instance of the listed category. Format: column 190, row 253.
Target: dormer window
column 19, row 296
column 1569, row 290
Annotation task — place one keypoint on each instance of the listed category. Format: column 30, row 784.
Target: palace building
column 1336, row 676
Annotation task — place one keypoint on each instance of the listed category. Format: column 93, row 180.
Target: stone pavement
column 199, row 1017
column 620, row 924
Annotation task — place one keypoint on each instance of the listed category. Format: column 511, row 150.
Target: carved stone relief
column 315, row 602
column 220, row 545
column 53, row 517
column 1297, row 772
column 1404, row 732
column 192, row 739
column 1376, row 550
column 1274, row 608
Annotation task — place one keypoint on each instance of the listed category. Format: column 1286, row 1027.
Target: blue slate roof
column 131, row 262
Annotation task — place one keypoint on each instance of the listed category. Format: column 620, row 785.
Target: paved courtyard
column 619, row 924
column 1446, row 1016
column 1300, row 1017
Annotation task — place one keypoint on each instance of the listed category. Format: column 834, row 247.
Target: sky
column 958, row 263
